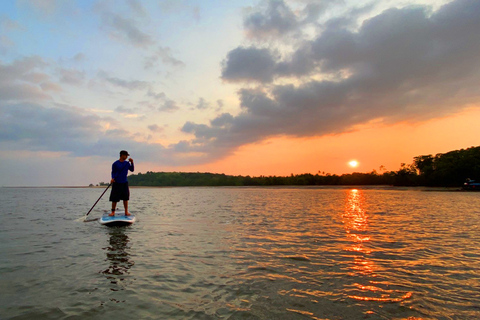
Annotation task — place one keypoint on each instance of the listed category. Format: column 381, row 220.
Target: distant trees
column 448, row 170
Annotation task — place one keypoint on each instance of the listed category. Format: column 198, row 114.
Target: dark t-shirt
column 120, row 170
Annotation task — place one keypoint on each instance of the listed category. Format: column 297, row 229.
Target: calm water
column 241, row 253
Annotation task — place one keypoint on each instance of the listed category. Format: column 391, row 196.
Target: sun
column 353, row 163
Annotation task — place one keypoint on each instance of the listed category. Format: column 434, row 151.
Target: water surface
column 241, row 253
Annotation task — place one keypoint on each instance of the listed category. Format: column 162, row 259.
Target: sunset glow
column 353, row 163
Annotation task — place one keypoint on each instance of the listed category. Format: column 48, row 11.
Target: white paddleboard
column 120, row 219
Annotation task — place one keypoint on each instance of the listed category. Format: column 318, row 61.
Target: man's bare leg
column 125, row 205
column 114, row 206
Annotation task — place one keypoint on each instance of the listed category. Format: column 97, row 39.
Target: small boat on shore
column 471, row 185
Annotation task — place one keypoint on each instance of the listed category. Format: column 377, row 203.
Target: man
column 120, row 190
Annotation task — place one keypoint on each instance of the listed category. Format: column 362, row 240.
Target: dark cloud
column 275, row 18
column 398, row 43
column 402, row 64
column 314, row 9
column 249, row 64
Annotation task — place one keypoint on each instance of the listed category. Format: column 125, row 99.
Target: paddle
column 95, row 205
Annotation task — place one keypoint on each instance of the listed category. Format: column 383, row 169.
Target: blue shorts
column 120, row 191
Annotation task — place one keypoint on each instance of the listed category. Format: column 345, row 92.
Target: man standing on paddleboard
column 120, row 190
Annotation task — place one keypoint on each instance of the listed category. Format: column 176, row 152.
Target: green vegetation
column 445, row 170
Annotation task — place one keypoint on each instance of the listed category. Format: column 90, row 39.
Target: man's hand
column 131, row 160
column 112, row 181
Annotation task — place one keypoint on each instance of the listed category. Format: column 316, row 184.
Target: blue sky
column 191, row 85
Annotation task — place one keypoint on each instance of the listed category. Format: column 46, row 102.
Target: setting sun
column 353, row 163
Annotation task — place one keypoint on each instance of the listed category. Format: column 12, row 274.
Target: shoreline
column 381, row 187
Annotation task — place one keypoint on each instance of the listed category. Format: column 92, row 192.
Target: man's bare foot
column 112, row 214
column 127, row 214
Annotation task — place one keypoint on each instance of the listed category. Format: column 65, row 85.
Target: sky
column 252, row 87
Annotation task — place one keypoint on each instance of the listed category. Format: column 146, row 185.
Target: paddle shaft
column 97, row 200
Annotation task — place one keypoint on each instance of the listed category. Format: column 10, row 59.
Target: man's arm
column 132, row 167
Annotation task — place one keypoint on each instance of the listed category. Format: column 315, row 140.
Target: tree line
column 449, row 169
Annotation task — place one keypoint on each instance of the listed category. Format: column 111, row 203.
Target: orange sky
column 372, row 146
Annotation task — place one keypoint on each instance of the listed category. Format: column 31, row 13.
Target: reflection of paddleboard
column 120, row 219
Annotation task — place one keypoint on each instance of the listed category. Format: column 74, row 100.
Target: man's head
column 124, row 154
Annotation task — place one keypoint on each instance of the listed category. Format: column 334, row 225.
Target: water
column 241, row 253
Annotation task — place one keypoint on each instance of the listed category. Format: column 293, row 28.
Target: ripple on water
column 242, row 253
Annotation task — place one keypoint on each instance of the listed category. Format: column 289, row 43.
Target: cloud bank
column 407, row 64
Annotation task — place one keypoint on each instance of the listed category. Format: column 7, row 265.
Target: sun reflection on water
column 355, row 221
column 356, row 225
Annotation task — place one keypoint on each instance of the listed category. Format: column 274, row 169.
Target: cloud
column 22, row 80
column 7, row 25
column 124, row 110
column 33, row 127
column 249, row 64
column 137, row 8
column 126, row 29
column 397, row 40
column 155, row 128
column 274, row 19
column 71, row 76
column 402, row 64
column 156, row 96
column 71, row 130
column 51, row 86
column 202, row 104
column 169, row 106
column 160, row 102
column 220, row 105
column 79, row 57
column 5, row 44
column 279, row 20
column 196, row 14
column 165, row 55
column 125, row 84
column 44, row 7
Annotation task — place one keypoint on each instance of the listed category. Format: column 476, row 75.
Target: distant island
column 449, row 169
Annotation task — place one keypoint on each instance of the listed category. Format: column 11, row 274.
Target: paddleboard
column 120, row 219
